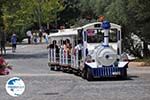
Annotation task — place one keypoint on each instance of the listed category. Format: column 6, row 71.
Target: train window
column 90, row 32
column 80, row 32
column 113, row 35
column 97, row 25
column 97, row 37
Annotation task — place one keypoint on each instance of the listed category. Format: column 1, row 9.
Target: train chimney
column 106, row 27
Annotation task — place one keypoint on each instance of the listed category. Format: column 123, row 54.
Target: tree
column 101, row 5
column 116, row 12
column 140, row 13
column 87, row 8
column 68, row 16
column 44, row 11
column 19, row 15
column 1, row 20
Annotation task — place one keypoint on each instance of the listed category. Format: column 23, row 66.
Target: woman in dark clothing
column 14, row 42
column 2, row 42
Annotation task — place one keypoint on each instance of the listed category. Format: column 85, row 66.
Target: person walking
column 29, row 36
column 14, row 42
column 35, row 37
column 45, row 35
column 40, row 35
column 2, row 41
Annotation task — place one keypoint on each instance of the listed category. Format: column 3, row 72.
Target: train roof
column 64, row 32
column 73, row 32
column 92, row 25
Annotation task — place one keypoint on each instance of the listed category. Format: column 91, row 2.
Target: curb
column 138, row 64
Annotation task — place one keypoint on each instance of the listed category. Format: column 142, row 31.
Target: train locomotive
column 101, row 62
column 107, row 63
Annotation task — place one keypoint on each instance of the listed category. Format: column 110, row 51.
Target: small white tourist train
column 92, row 51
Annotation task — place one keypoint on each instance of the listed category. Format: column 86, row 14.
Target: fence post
column 77, row 60
column 51, row 55
column 72, row 58
column 60, row 55
column 66, row 58
column 63, row 57
column 54, row 52
column 48, row 55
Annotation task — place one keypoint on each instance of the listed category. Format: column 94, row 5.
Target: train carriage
column 100, row 54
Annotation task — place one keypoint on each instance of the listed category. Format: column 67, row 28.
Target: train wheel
column 52, row 68
column 55, row 68
column 124, row 74
column 89, row 75
column 79, row 73
column 83, row 73
column 58, row 68
column 70, row 70
column 64, row 70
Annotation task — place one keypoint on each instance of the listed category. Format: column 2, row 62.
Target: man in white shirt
column 80, row 47
column 29, row 36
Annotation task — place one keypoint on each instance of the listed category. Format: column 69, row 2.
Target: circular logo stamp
column 15, row 86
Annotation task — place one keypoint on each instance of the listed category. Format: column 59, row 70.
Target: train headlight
column 88, row 58
column 124, row 57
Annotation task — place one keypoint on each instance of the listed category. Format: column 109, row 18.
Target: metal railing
column 64, row 58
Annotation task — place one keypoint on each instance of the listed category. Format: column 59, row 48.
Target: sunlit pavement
column 30, row 63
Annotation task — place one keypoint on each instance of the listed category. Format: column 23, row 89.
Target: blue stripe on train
column 106, row 71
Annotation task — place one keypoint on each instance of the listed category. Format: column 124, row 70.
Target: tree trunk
column 48, row 25
column 145, row 49
column 39, row 14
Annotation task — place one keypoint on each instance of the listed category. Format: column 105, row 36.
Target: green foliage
column 71, row 12
column 87, row 8
column 19, row 15
column 101, row 5
column 116, row 12
column 132, row 15
column 140, row 13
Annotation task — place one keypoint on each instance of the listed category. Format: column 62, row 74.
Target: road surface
column 30, row 64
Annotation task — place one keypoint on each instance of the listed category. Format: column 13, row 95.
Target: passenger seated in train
column 61, row 44
column 54, row 46
column 68, row 47
column 80, row 48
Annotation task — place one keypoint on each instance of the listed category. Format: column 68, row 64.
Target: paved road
column 30, row 63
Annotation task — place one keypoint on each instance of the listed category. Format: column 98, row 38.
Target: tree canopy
column 19, row 15
column 132, row 15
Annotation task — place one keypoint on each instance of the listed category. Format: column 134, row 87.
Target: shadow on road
column 26, row 56
column 129, row 77
column 56, row 93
